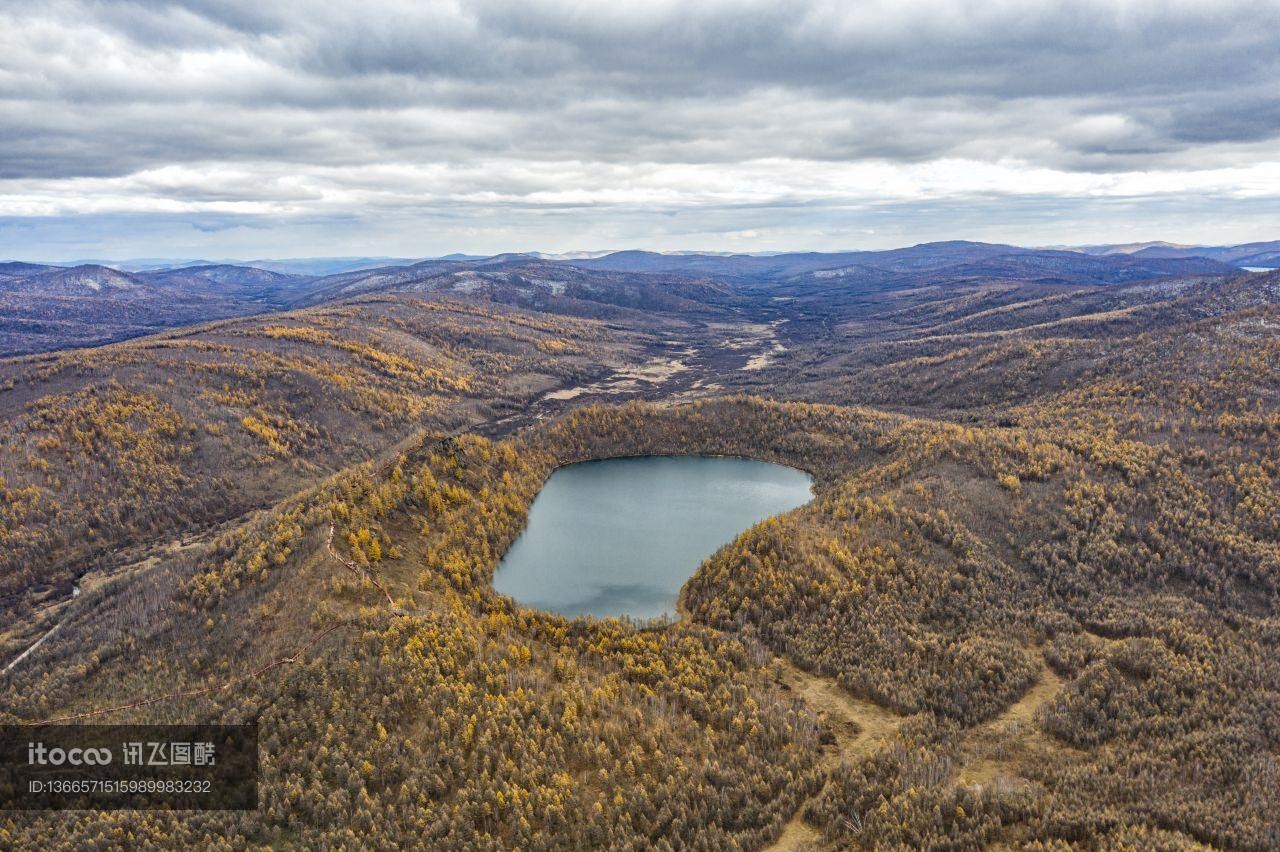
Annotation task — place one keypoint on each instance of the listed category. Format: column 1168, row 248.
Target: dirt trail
column 18, row 659
column 91, row 580
column 993, row 751
column 1024, row 709
column 859, row 727
column 995, row 748
column 227, row 685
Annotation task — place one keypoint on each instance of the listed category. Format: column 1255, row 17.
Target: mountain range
column 45, row 307
column 1259, row 255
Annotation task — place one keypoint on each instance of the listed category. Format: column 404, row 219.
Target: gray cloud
column 290, row 110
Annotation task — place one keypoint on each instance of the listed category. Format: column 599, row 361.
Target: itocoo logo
column 39, row 755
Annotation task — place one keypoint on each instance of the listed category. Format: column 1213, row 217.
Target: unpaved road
column 859, row 727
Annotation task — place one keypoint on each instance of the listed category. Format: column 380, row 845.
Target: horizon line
column 584, row 254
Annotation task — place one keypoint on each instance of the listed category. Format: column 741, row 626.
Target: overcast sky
column 273, row 128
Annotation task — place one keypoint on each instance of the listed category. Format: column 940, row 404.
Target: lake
column 621, row 536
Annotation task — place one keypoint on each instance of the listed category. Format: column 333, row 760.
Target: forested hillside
column 1035, row 602
column 109, row 452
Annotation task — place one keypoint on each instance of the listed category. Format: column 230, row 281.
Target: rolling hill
column 523, row 281
column 110, row 451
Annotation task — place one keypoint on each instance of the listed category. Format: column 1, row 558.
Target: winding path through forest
column 859, row 727
column 995, row 748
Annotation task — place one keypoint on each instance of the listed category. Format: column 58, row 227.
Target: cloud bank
column 249, row 128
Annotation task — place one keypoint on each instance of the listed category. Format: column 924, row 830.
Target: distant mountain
column 705, row 284
column 1129, row 248
column 529, row 282
column 945, row 260
column 289, row 266
column 570, row 255
column 242, row 283
column 15, row 269
column 45, row 307
column 1249, row 254
column 137, row 264
column 53, row 307
column 1070, row 268
column 327, row 265
column 222, row 273
column 76, row 281
column 356, row 282
column 1265, row 254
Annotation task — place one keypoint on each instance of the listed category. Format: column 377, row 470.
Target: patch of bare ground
column 996, row 754
column 858, row 727
column 760, row 360
column 627, row 379
column 763, row 339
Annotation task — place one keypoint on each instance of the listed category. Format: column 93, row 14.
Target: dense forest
column 1034, row 602
column 111, row 453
